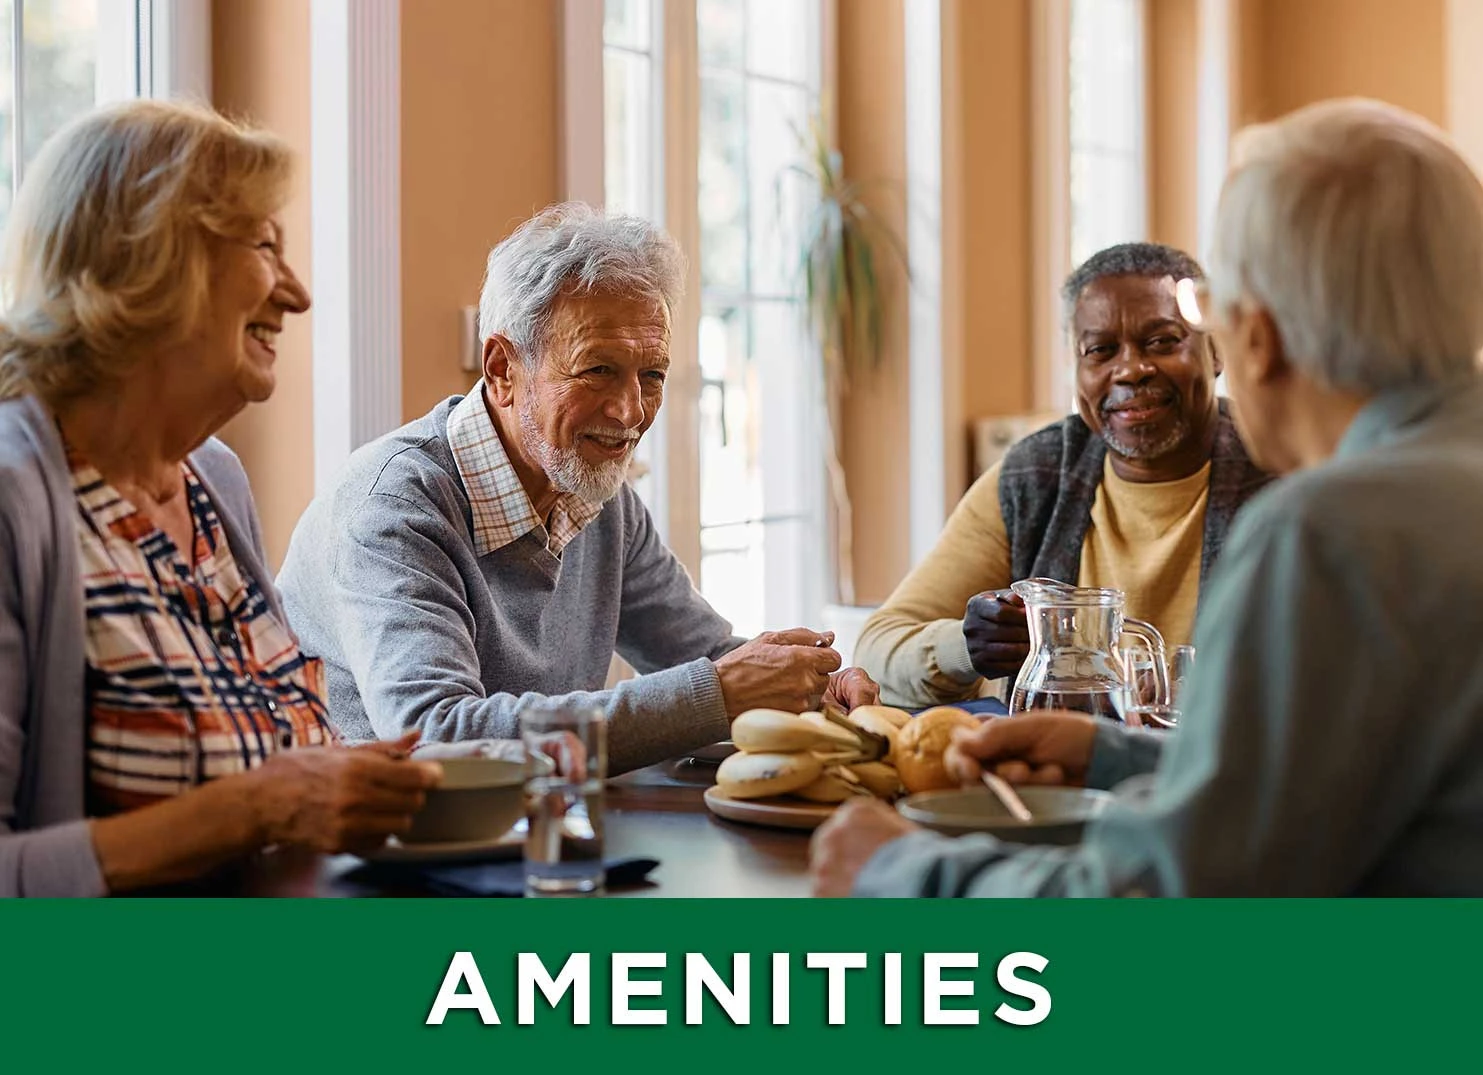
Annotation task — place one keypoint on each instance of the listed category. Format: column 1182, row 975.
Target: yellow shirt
column 1144, row 538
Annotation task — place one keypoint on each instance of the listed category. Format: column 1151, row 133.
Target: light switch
column 470, row 354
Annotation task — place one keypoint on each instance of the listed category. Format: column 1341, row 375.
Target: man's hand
column 997, row 633
column 1036, row 748
column 786, row 670
column 850, row 687
column 845, row 843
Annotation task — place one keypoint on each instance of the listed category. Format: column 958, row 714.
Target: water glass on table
column 1138, row 704
column 564, row 801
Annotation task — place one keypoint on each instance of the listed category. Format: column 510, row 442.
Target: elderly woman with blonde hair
column 158, row 722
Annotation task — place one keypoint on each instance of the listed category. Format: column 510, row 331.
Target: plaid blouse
column 190, row 675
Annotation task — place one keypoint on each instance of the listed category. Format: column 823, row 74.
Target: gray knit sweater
column 416, row 630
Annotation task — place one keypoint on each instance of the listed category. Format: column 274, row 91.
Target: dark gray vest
column 1049, row 481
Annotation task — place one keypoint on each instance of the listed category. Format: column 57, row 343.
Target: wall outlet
column 470, row 354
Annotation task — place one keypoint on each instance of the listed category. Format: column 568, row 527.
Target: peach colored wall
column 479, row 155
column 872, row 139
column 1312, row 49
column 993, row 46
column 986, row 110
column 1173, row 76
column 260, row 72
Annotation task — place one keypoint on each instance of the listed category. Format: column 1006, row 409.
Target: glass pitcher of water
column 1075, row 633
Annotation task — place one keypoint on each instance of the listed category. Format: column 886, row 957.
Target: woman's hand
column 335, row 799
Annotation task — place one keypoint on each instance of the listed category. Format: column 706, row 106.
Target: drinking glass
column 1181, row 668
column 564, row 801
column 1136, row 698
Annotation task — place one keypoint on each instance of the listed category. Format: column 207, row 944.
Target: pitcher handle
column 1149, row 635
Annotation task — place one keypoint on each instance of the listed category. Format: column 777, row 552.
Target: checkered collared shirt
column 502, row 510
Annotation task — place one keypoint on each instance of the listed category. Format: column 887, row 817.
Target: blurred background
column 940, row 164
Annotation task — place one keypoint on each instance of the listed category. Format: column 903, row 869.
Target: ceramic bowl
column 1060, row 813
column 479, row 799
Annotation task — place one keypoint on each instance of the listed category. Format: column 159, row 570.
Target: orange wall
column 985, row 214
column 872, row 139
column 993, row 49
column 1173, row 79
column 260, row 72
column 1312, row 49
column 479, row 155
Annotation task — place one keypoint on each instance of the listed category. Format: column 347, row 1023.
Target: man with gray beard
column 1133, row 492
column 489, row 558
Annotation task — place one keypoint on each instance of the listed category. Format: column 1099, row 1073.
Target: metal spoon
column 1008, row 796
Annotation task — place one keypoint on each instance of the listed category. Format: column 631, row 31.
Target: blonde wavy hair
column 107, row 250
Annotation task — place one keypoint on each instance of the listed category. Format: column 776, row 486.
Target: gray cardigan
column 45, row 845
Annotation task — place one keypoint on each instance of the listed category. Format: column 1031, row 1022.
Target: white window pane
column 782, row 38
column 733, row 575
column 627, row 23
column 730, row 479
column 720, row 26
column 1109, row 198
column 790, row 447
column 628, row 132
column 723, row 184
column 7, row 111
column 1106, row 201
column 61, row 48
column 777, row 117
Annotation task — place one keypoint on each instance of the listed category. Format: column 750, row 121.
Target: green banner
column 1146, row 986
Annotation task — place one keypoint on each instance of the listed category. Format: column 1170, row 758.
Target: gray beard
column 1144, row 450
column 567, row 470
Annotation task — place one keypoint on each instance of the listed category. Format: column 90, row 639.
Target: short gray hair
column 1359, row 228
column 573, row 247
column 1154, row 260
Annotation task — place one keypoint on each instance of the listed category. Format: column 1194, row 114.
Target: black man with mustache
column 1135, row 492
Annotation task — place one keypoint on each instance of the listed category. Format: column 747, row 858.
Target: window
column 754, row 67
column 58, row 58
column 760, row 452
column 631, row 58
column 1109, row 177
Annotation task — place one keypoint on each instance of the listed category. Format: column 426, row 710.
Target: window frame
column 670, row 451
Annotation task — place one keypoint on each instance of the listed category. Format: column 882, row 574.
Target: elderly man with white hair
column 1332, row 742
column 489, row 556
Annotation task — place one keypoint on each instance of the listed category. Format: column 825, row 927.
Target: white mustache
column 629, row 435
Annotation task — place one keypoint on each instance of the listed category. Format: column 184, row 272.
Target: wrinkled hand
column 850, row 687
column 335, row 799
column 786, row 670
column 843, row 845
column 1035, row 748
column 997, row 633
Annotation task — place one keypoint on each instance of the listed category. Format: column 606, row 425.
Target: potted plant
column 843, row 242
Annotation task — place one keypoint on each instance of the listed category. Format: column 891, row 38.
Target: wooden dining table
column 657, row 813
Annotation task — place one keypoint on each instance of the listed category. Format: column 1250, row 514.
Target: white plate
column 508, row 846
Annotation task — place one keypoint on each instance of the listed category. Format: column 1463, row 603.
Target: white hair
column 573, row 247
column 1359, row 228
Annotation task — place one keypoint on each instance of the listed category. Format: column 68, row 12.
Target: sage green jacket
column 1332, row 743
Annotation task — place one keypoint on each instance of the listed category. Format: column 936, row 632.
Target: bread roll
column 922, row 743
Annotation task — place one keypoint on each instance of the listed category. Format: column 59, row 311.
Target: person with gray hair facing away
column 1332, row 739
column 490, row 555
column 1135, row 492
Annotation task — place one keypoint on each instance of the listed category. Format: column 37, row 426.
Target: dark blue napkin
column 494, row 878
